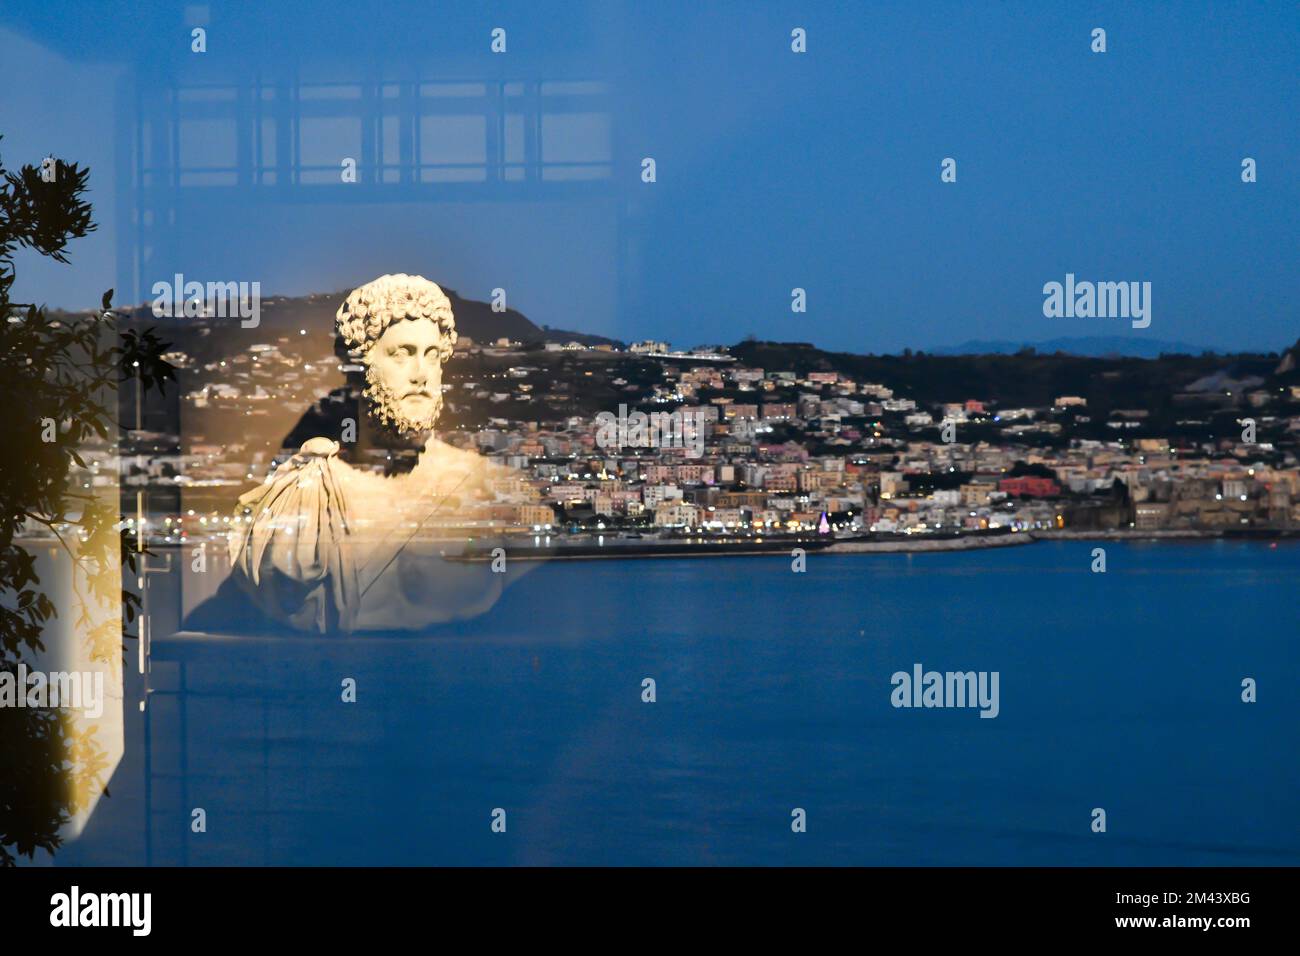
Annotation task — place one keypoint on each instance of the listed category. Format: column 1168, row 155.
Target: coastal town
column 710, row 444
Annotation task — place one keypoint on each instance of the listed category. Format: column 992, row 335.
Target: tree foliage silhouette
column 57, row 391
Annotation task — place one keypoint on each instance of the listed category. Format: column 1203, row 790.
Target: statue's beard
column 385, row 407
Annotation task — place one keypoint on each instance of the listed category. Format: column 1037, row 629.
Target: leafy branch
column 58, row 387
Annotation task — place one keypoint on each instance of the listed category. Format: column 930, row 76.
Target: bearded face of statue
column 404, row 376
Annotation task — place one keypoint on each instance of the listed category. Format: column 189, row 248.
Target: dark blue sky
column 775, row 170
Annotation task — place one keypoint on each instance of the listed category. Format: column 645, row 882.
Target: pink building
column 1030, row 487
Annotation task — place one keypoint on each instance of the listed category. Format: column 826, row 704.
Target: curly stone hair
column 373, row 307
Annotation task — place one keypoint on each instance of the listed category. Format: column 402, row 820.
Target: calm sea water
column 1119, row 690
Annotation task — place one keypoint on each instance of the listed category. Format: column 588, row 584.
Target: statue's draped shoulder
column 293, row 550
column 327, row 547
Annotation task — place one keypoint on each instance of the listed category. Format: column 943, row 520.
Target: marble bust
column 326, row 546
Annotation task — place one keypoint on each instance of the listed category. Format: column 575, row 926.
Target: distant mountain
column 1092, row 346
column 1022, row 380
column 562, row 336
column 284, row 315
